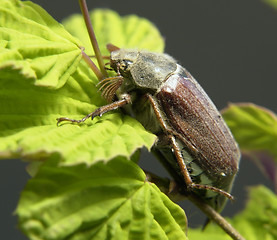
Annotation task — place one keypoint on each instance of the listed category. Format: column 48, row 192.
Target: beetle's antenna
column 84, row 9
column 112, row 47
column 109, row 86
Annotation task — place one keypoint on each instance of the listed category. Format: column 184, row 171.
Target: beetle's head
column 122, row 61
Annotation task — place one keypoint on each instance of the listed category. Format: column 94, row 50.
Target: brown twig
column 216, row 217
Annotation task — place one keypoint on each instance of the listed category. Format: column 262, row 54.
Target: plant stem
column 216, row 217
column 175, row 193
column 92, row 65
column 84, row 9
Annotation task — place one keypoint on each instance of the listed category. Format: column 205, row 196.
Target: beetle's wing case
column 193, row 115
column 213, row 156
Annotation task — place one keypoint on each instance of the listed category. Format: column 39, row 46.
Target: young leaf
column 255, row 129
column 257, row 221
column 125, row 32
column 28, row 112
column 35, row 45
column 105, row 201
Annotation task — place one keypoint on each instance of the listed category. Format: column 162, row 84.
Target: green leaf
column 260, row 213
column 125, row 32
column 35, row 45
column 255, row 129
column 28, row 116
column 29, row 130
column 105, row 201
column 257, row 221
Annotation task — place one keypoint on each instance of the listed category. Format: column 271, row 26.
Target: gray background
column 228, row 46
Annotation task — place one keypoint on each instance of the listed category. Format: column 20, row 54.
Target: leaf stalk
column 84, row 9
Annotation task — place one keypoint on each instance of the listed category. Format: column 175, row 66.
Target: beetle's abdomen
column 197, row 174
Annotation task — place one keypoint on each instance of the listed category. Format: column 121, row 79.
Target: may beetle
column 168, row 101
column 193, row 136
column 193, row 139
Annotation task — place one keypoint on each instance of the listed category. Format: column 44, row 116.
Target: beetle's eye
column 125, row 64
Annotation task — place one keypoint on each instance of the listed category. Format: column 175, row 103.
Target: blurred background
column 228, row 46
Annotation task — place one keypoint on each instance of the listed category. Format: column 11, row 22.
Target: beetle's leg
column 177, row 152
column 99, row 111
column 190, row 184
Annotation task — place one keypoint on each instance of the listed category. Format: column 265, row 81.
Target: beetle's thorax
column 142, row 69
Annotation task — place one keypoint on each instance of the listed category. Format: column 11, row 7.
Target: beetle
column 193, row 139
column 192, row 135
